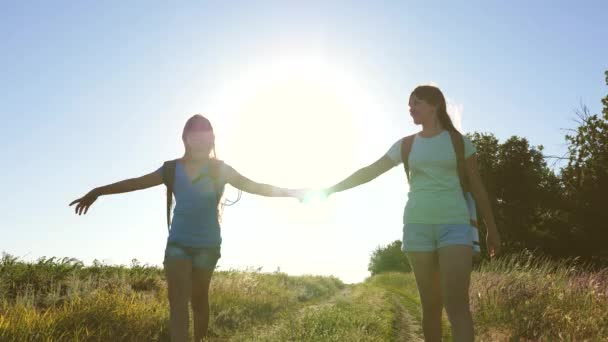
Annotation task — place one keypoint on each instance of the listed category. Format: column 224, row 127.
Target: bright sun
column 294, row 122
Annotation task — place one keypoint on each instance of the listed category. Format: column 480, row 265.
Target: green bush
column 389, row 258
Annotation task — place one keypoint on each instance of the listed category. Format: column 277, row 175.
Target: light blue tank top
column 195, row 219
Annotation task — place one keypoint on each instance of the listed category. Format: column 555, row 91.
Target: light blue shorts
column 419, row 237
column 204, row 258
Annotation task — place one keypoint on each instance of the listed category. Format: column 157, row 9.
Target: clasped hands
column 308, row 195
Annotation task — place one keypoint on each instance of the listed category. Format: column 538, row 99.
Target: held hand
column 295, row 193
column 85, row 202
column 327, row 192
column 312, row 195
column 493, row 243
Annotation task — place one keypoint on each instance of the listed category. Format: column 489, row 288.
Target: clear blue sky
column 300, row 95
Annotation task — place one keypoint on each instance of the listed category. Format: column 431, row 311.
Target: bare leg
column 426, row 270
column 179, row 274
column 200, row 302
column 455, row 264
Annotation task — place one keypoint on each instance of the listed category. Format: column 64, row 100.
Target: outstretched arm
column 243, row 183
column 132, row 184
column 481, row 198
column 364, row 175
column 127, row 185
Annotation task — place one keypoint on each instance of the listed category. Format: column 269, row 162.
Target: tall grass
column 61, row 299
column 530, row 297
column 517, row 297
column 525, row 297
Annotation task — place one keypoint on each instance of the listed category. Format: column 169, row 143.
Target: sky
column 301, row 94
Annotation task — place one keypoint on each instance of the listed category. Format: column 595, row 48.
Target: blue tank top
column 195, row 219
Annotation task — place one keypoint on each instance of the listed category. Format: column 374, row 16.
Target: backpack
column 169, row 180
column 458, row 144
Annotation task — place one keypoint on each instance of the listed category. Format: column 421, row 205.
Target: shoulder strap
column 406, row 148
column 214, row 173
column 458, row 144
column 169, row 180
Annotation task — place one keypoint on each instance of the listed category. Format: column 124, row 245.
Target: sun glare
column 294, row 123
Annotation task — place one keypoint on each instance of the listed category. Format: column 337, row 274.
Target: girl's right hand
column 85, row 202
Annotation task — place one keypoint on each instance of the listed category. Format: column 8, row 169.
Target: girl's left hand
column 493, row 242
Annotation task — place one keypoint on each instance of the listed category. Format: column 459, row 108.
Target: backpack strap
column 406, row 148
column 169, row 180
column 458, row 144
column 214, row 173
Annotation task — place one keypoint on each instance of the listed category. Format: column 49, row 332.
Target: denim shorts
column 419, row 237
column 204, row 258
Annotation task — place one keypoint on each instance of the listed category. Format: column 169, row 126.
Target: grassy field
column 532, row 298
column 519, row 297
column 60, row 299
